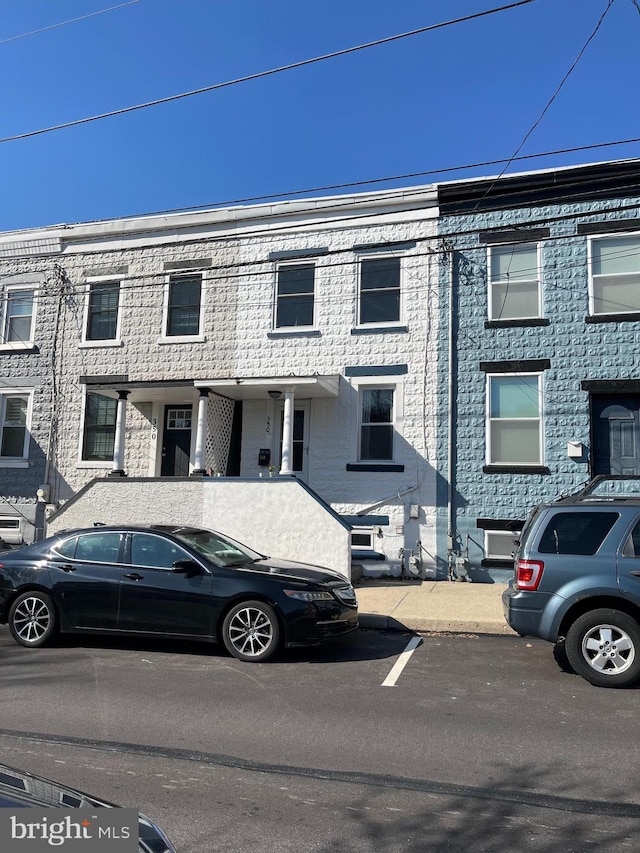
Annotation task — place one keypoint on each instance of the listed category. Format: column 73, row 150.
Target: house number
column 268, row 427
column 154, row 428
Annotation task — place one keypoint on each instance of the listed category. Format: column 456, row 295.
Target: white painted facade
column 245, row 375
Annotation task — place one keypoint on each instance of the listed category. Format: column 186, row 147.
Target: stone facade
column 566, row 345
column 241, row 354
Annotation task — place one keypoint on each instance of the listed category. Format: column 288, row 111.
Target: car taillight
column 528, row 574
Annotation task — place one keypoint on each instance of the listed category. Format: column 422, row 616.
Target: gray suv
column 577, row 579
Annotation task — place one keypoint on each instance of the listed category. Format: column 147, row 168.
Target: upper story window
column 514, row 422
column 295, row 292
column 514, row 282
column 17, row 317
column 14, row 426
column 99, row 428
column 376, row 424
column 103, row 304
column 184, row 305
column 615, row 275
column 379, row 298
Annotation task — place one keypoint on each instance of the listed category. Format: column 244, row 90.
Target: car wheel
column 603, row 646
column 251, row 631
column 32, row 619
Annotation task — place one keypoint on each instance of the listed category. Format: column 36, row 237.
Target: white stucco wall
column 278, row 517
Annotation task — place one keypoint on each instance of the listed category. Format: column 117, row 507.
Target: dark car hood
column 19, row 789
column 297, row 571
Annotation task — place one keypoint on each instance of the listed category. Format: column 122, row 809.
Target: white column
column 117, row 468
column 287, row 433
column 201, row 434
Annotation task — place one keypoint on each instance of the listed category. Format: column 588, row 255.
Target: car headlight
column 303, row 595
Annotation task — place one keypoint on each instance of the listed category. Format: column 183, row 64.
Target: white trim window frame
column 368, row 416
column 18, row 311
column 614, row 274
column 294, row 306
column 181, row 311
column 380, row 302
column 514, row 281
column 505, row 540
column 85, row 425
column 16, row 408
column 97, row 286
column 515, row 419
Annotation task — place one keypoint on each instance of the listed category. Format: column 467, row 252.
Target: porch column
column 117, row 468
column 201, row 434
column 287, row 433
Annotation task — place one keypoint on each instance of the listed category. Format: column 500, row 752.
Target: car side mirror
column 187, row 567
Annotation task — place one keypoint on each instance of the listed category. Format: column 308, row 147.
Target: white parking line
column 403, row 660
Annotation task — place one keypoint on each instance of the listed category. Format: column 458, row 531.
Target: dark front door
column 616, row 434
column 176, row 441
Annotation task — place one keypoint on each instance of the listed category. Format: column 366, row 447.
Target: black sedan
column 170, row 581
column 20, row 790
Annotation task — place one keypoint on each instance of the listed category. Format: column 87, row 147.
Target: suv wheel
column 603, row 646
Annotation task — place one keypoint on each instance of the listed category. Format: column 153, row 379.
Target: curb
column 382, row 622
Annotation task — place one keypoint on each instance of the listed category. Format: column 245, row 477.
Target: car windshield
column 217, row 548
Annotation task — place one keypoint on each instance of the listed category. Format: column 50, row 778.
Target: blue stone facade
column 573, row 351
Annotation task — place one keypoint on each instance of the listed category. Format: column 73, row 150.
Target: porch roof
column 178, row 390
column 258, row 388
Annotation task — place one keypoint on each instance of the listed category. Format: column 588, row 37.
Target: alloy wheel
column 31, row 620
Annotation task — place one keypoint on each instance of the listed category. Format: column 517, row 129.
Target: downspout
column 451, row 512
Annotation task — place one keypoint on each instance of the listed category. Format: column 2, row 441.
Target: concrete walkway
column 422, row 606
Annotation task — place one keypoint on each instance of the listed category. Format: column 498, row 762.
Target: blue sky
column 455, row 96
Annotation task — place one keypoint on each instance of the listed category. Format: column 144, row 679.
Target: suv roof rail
column 610, row 487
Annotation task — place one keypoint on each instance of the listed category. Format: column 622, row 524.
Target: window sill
column 113, row 342
column 515, row 469
column 628, row 317
column 14, row 463
column 379, row 329
column 182, row 339
column 294, row 332
column 516, row 324
column 96, row 464
column 26, row 346
column 379, row 467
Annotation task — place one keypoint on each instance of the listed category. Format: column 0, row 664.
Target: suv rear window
column 576, row 532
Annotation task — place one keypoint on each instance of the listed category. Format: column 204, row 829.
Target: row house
column 295, row 339
column 540, row 278
column 425, row 364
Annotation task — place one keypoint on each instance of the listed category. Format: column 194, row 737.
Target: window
column 92, row 547
column 295, row 295
column 14, row 440
column 514, row 285
column 102, row 311
column 615, row 275
column 99, row 428
column 514, row 420
column 576, row 532
column 376, row 424
column 154, row 551
column 17, row 319
column 379, row 290
column 184, row 305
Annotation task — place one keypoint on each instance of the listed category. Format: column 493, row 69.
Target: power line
column 71, row 21
column 551, row 99
column 248, row 77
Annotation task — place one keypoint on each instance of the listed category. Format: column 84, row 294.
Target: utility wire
column 552, row 98
column 267, row 73
column 71, row 21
